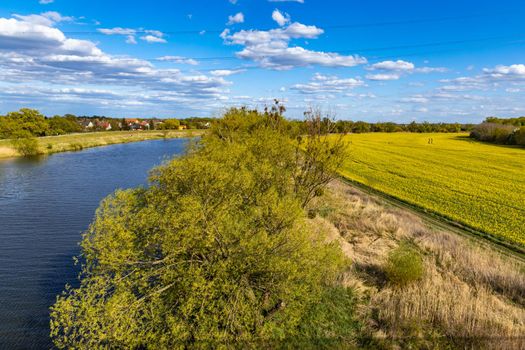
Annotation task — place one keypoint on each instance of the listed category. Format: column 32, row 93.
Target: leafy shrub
column 519, row 136
column 492, row 132
column 76, row 146
column 404, row 265
column 25, row 144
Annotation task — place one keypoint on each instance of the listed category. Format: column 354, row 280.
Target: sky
column 404, row 60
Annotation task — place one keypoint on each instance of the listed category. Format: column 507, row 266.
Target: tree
column 169, row 124
column 63, row 125
column 217, row 249
column 29, row 120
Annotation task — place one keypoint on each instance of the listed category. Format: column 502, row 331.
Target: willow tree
column 216, row 249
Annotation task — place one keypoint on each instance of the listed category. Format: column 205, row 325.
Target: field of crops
column 480, row 185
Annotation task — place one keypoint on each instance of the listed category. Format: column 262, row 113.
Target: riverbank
column 76, row 142
column 466, row 290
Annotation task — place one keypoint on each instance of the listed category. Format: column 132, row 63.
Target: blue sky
column 374, row 60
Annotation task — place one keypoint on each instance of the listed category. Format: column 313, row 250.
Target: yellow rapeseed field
column 477, row 184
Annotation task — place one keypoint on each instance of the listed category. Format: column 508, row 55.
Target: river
column 45, row 205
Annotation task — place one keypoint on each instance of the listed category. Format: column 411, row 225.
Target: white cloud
column 515, row 71
column 383, row 76
column 328, row 84
column 31, row 53
column 49, row 18
column 153, row 39
column 237, row 18
column 394, row 70
column 117, row 31
column 280, row 18
column 45, row 2
column 398, row 65
column 179, row 59
column 152, row 36
column 271, row 49
column 226, row 72
column 415, row 99
column 131, row 39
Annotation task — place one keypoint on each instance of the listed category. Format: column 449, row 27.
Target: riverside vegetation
column 246, row 241
column 28, row 133
column 31, row 146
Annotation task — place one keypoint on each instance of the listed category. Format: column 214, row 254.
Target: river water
column 45, row 205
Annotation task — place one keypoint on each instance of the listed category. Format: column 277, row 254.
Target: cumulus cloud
column 280, row 18
column 153, row 39
column 327, row 84
column 46, row 2
column 226, row 72
column 383, row 76
column 151, row 36
column 512, row 72
column 394, row 70
column 49, row 18
column 31, row 52
column 398, row 65
column 237, row 18
column 490, row 78
column 272, row 49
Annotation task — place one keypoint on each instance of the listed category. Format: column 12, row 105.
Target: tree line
column 510, row 131
column 27, row 123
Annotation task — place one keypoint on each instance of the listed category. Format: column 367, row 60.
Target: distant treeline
column 509, row 131
column 358, row 127
column 27, row 123
column 31, row 123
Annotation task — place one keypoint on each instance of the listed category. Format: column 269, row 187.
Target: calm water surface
column 45, row 205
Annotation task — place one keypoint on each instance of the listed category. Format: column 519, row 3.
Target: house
column 104, row 125
column 144, row 124
column 87, row 124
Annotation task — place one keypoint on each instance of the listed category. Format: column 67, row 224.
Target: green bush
column 25, row 144
column 215, row 251
column 404, row 265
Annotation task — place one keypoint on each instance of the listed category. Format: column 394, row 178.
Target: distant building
column 87, row 124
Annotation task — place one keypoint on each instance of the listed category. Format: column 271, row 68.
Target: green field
column 480, row 185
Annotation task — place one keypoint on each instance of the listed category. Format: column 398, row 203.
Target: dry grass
column 469, row 293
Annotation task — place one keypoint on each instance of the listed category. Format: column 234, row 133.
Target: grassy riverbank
column 76, row 142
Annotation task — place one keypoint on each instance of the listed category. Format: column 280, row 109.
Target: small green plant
column 404, row 265
column 76, row 146
column 25, row 144
column 49, row 146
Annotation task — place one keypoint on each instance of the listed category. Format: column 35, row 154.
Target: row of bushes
column 31, row 123
column 504, row 134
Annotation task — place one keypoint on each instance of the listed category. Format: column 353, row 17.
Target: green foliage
column 25, row 120
column 519, row 136
column 169, row 124
column 25, row 143
column 215, row 251
column 63, row 125
column 520, row 121
column 331, row 322
column 404, row 265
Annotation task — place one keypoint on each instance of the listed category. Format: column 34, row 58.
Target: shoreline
column 79, row 141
